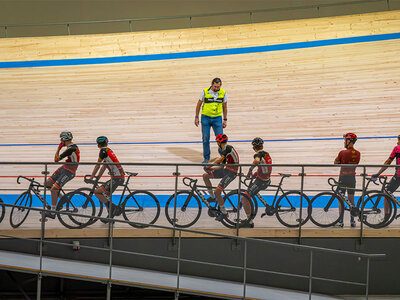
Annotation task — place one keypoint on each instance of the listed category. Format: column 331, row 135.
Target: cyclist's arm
column 256, row 161
column 387, row 162
column 95, row 169
column 66, row 153
column 57, row 155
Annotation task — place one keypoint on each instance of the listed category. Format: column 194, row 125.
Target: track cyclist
column 104, row 192
column 227, row 173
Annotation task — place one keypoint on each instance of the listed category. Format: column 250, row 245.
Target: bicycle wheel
column 76, row 203
column 142, row 207
column 99, row 206
column 19, row 214
column 188, row 209
column 373, row 210
column 2, row 210
column 288, row 209
column 326, row 210
column 234, row 207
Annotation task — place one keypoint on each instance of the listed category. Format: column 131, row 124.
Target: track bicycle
column 286, row 208
column 66, row 204
column 188, row 206
column 138, row 206
column 326, row 206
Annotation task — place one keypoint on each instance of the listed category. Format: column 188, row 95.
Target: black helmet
column 66, row 135
column 102, row 139
column 257, row 142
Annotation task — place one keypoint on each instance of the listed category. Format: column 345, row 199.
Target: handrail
column 190, row 16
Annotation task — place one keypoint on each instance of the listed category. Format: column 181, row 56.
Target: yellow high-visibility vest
column 212, row 107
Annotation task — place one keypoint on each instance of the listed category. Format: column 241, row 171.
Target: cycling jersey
column 230, row 157
column 263, row 171
column 396, row 154
column 348, row 156
column 108, row 156
column 73, row 156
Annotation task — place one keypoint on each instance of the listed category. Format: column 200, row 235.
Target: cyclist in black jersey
column 227, row 173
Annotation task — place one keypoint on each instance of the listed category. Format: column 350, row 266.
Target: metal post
column 362, row 211
column 367, row 281
column 238, row 203
column 244, row 268
column 251, row 17
column 110, row 241
column 130, row 25
column 388, row 4
column 69, row 31
column 310, row 276
column 42, row 230
column 318, row 11
column 302, row 174
column 5, row 28
column 178, row 266
column 190, row 22
column 175, row 194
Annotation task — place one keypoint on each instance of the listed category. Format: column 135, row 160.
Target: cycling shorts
column 257, row 185
column 111, row 185
column 227, row 177
column 347, row 182
column 393, row 184
column 61, row 176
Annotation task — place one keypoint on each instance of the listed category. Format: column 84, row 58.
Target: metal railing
column 177, row 235
column 190, row 17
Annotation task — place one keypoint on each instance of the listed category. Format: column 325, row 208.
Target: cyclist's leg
column 255, row 187
column 205, row 130
column 104, row 193
column 216, row 173
column 229, row 176
column 217, row 128
column 61, row 177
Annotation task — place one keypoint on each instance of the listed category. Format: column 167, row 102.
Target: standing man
column 214, row 100
column 347, row 177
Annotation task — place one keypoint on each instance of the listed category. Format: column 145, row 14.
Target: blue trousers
column 206, row 123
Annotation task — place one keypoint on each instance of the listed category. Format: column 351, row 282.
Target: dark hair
column 102, row 144
column 216, row 80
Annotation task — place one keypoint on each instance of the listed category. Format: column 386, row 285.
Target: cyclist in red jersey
column 395, row 181
column 104, row 192
column 347, row 177
column 262, row 177
column 64, row 173
column 227, row 173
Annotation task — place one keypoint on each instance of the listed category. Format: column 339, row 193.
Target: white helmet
column 66, row 135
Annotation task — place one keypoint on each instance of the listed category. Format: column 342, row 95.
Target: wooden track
column 307, row 93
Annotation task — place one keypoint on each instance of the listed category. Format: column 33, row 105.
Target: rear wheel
column 188, row 209
column 142, row 207
column 326, row 210
column 373, row 210
column 235, row 209
column 99, row 206
column 288, row 209
column 19, row 214
column 75, row 203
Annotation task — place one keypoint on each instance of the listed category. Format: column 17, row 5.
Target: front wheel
column 188, row 209
column 288, row 209
column 373, row 210
column 19, row 214
column 75, row 203
column 327, row 209
column 142, row 207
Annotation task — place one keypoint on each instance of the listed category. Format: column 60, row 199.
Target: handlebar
column 32, row 180
column 190, row 181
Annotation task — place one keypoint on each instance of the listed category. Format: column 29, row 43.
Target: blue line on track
column 203, row 53
column 199, row 142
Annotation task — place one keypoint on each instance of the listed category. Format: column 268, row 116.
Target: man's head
column 257, row 143
column 66, row 137
column 216, row 84
column 349, row 139
column 102, row 141
column 221, row 140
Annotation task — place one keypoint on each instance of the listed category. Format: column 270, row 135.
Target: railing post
column 110, row 241
column 130, row 25
column 178, row 266
column 302, row 174
column 361, row 204
column 244, row 268
column 251, row 17
column 69, row 31
column 176, row 174
column 42, row 230
column 310, row 276
column 388, row 4
column 190, row 22
column 238, row 203
column 367, row 281
column 5, row 28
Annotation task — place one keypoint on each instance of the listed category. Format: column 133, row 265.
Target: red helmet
column 350, row 136
column 221, row 138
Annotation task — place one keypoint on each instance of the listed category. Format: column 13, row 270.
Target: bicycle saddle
column 285, row 175
column 131, row 174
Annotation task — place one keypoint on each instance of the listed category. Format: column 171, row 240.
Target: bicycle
column 284, row 208
column 188, row 206
column 139, row 206
column 377, row 207
column 2, row 210
column 19, row 214
column 325, row 206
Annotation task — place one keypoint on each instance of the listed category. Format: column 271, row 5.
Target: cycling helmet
column 257, row 142
column 66, row 135
column 350, row 136
column 102, row 139
column 221, row 138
